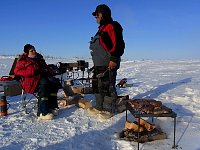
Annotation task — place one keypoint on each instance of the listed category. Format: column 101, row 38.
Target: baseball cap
column 104, row 9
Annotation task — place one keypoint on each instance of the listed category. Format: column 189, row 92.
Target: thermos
column 3, row 106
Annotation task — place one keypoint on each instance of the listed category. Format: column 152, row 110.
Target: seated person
column 35, row 77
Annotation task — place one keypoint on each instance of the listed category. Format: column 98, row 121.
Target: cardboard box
column 10, row 88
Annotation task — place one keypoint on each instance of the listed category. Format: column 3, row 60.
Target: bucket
column 3, row 106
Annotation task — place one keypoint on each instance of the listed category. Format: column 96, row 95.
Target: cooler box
column 10, row 88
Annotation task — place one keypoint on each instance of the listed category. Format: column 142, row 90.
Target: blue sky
column 153, row 29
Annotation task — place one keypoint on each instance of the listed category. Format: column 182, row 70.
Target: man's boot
column 99, row 105
column 99, row 101
column 108, row 108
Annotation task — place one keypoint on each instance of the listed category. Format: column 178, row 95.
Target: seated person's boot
column 43, row 109
column 48, row 116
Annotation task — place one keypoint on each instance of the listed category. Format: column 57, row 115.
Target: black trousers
column 47, row 93
column 107, row 81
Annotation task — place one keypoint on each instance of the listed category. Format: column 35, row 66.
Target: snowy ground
column 175, row 83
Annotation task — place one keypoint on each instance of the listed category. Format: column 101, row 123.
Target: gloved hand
column 38, row 71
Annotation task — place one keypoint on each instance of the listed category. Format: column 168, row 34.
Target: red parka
column 31, row 70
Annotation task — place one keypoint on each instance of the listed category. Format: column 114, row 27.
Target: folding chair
column 25, row 97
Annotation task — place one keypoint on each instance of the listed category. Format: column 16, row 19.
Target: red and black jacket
column 111, row 38
column 31, row 70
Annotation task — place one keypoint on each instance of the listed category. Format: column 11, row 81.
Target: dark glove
column 38, row 71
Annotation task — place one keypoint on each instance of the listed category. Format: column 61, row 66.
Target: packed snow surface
column 176, row 83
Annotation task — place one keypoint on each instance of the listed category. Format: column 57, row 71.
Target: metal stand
column 139, row 115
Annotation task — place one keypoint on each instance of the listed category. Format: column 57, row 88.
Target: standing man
column 107, row 47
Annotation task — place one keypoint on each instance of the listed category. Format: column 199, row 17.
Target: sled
column 122, row 83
